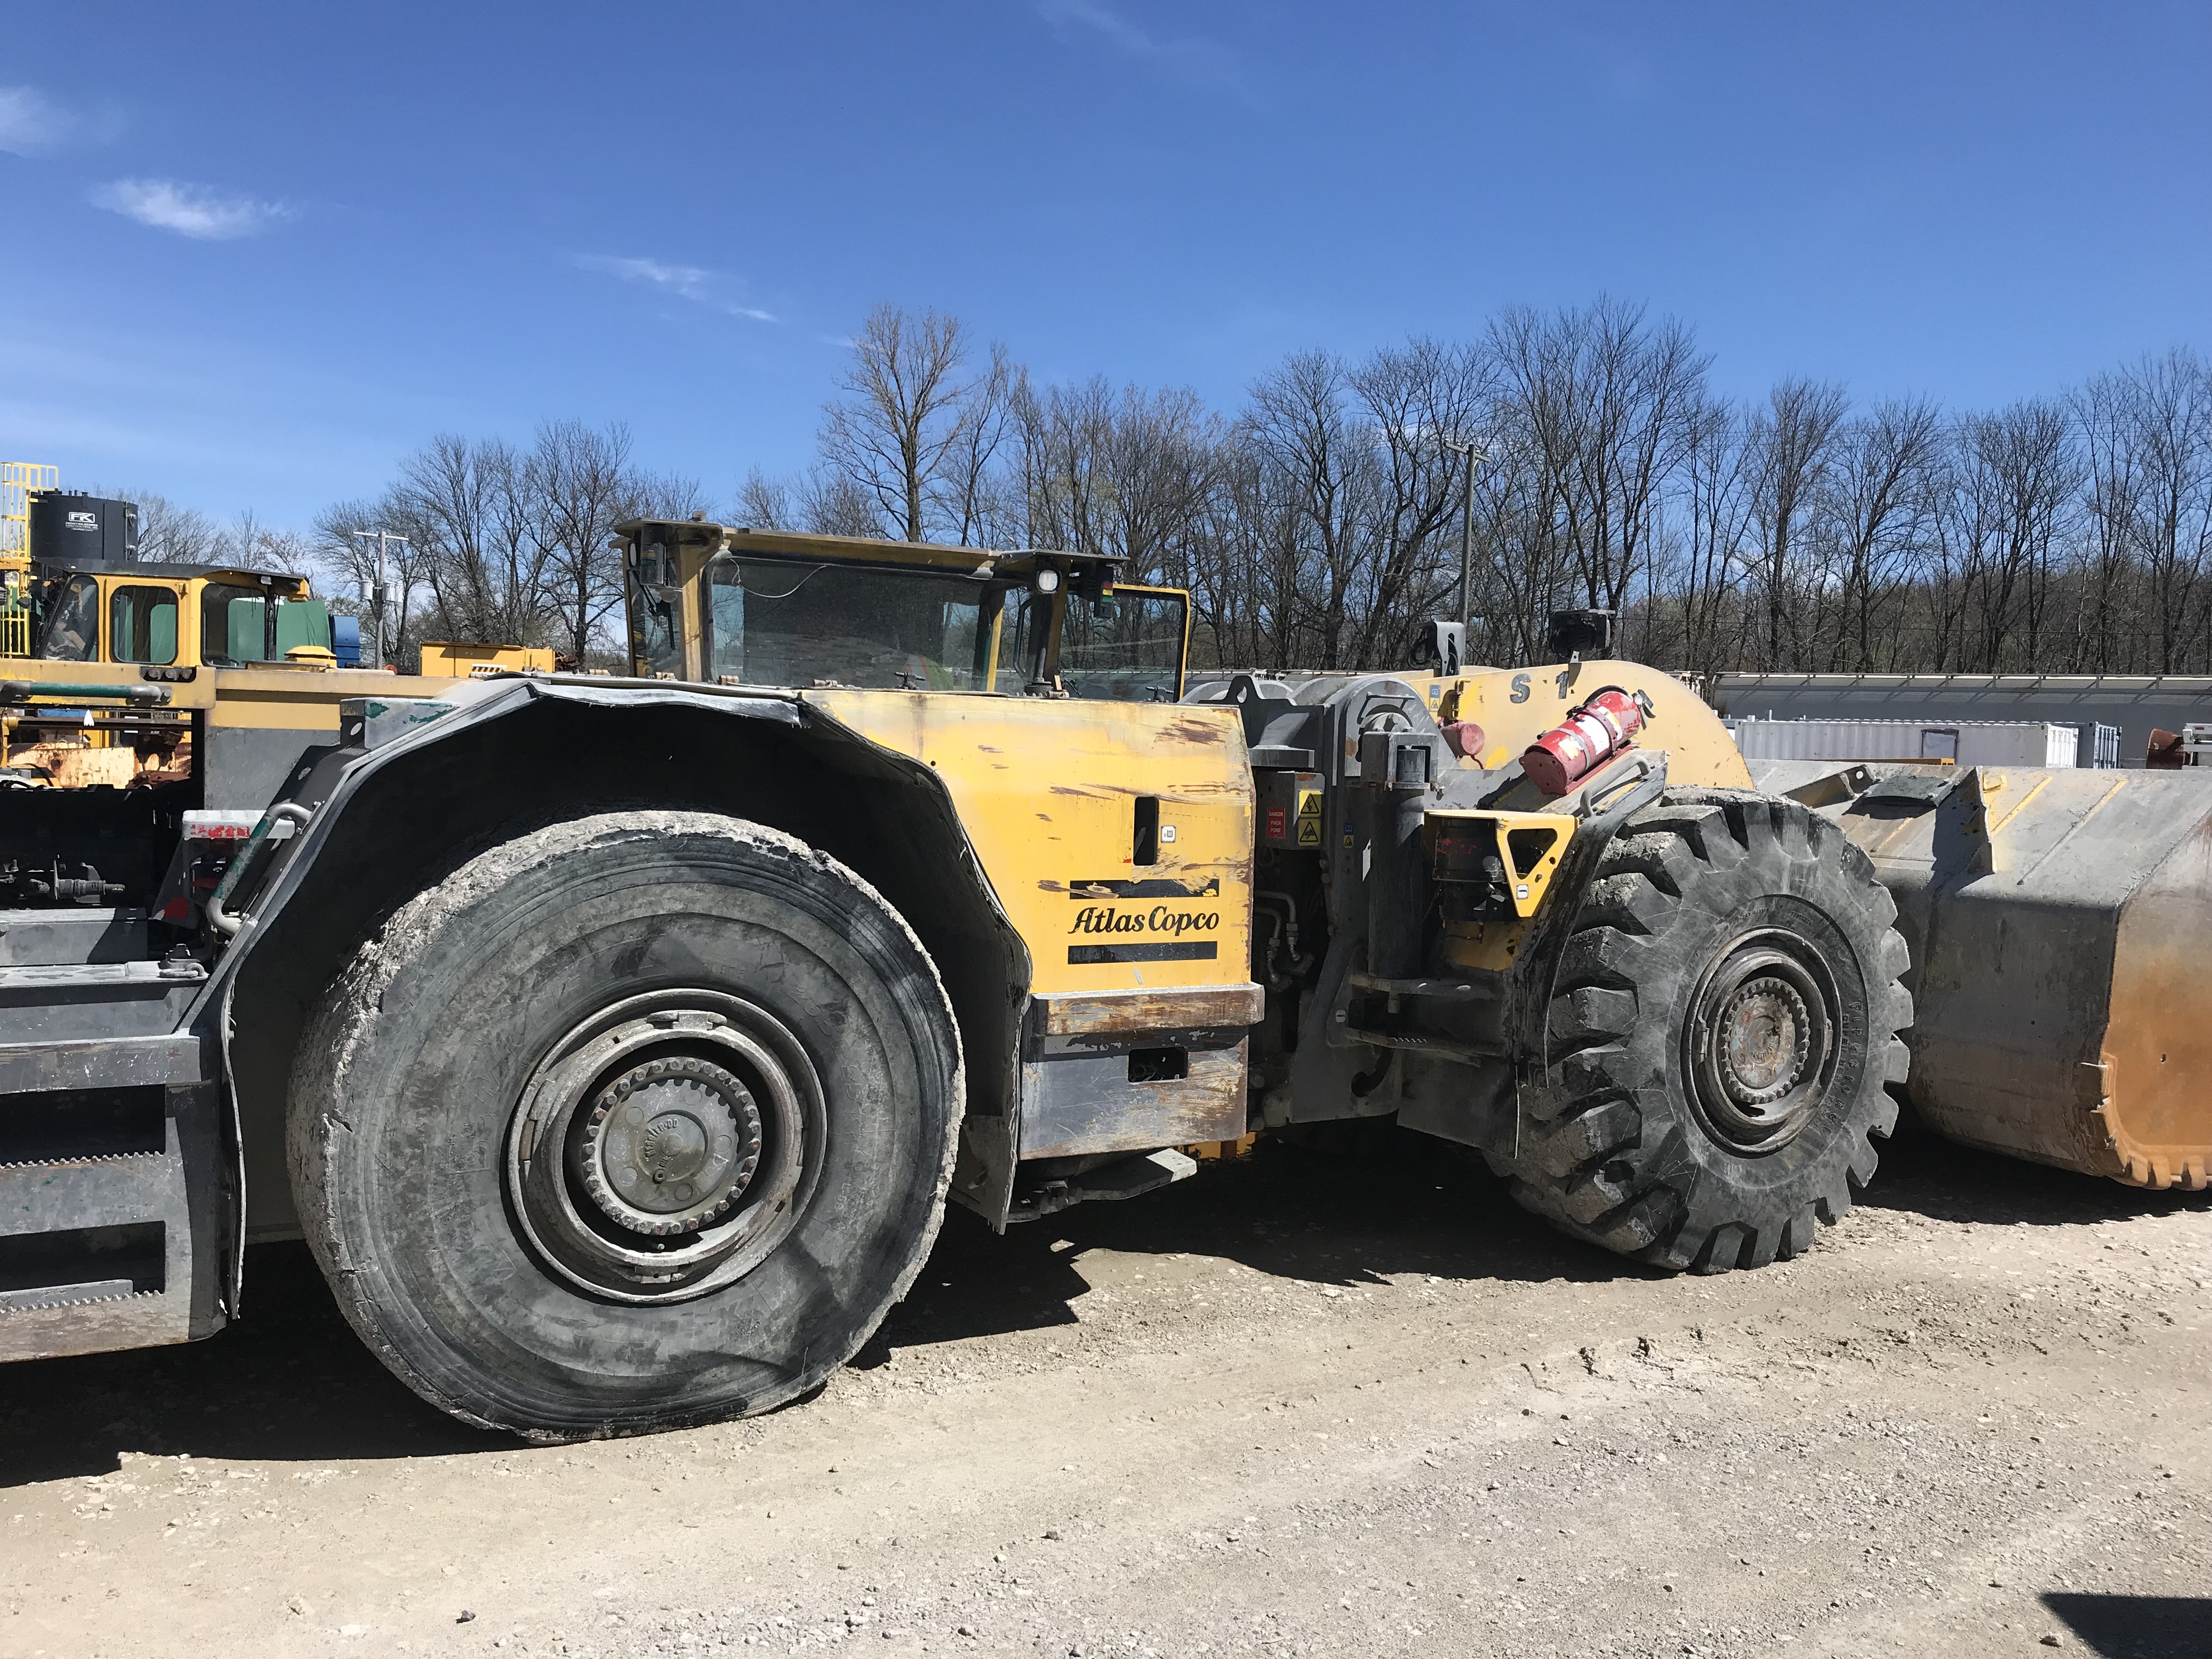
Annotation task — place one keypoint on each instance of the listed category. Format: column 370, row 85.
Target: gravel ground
column 1316, row 1402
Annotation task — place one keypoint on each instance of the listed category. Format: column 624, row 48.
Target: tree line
column 501, row 543
column 1320, row 524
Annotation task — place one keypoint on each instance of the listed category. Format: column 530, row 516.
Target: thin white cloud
column 1199, row 62
column 702, row 287
column 194, row 210
column 34, row 124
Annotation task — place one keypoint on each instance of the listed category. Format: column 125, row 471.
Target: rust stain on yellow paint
column 993, row 752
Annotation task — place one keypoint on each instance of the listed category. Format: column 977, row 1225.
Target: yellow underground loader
column 615, row 1043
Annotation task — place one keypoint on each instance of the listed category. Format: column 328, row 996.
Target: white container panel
column 2009, row 744
column 1965, row 743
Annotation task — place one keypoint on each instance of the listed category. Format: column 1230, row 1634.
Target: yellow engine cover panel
column 1516, row 705
column 1054, row 795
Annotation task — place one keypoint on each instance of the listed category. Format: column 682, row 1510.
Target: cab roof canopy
column 285, row 580
column 982, row 563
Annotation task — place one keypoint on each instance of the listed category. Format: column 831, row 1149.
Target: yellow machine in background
column 158, row 624
column 459, row 659
column 81, row 596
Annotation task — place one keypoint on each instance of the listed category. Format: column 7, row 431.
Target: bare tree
column 579, row 483
column 1414, row 399
column 907, row 419
column 1878, row 507
column 1600, row 402
column 2108, row 413
column 2012, row 481
column 964, row 493
column 1717, row 502
column 1314, row 457
column 489, row 555
column 351, row 560
column 1795, row 437
column 2171, row 434
column 766, row 503
column 1124, row 475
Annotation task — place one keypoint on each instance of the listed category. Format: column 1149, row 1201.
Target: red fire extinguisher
column 1592, row 735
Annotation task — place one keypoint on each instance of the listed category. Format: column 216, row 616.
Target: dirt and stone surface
column 1332, row 1401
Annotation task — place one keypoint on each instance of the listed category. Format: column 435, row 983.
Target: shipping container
column 2137, row 704
column 2099, row 746
column 1959, row 742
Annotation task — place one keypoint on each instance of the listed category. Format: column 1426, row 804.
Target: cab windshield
column 779, row 622
column 72, row 629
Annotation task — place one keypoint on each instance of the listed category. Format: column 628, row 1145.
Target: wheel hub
column 665, row 1146
column 668, row 1145
column 1762, row 1041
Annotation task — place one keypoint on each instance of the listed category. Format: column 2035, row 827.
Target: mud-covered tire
column 740, row 977
column 1717, row 913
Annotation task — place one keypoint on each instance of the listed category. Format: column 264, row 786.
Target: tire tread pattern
column 1602, row 1153
column 345, row 1019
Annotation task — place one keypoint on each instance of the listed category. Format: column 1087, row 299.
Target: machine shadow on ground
column 291, row 1383
column 1923, row 1173
column 1355, row 1205
column 2138, row 1626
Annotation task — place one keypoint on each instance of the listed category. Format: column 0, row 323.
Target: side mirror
column 1580, row 634
column 1443, row 646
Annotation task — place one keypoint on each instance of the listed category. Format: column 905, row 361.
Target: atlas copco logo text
column 1104, row 919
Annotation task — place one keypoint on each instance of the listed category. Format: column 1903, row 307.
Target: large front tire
column 1721, row 1034
column 641, row 1119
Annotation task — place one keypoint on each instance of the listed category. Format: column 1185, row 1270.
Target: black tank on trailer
column 70, row 529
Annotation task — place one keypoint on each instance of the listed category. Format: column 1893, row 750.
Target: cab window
column 656, row 617
column 1128, row 646
column 72, row 631
column 141, row 624
column 301, row 622
column 775, row 621
column 234, row 624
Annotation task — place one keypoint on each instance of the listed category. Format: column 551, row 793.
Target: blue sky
column 257, row 254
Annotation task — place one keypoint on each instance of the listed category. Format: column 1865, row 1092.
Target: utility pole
column 1476, row 454
column 378, row 591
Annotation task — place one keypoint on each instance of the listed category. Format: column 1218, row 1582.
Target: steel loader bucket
column 2061, row 927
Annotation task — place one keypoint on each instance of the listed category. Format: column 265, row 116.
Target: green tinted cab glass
column 233, row 624
column 141, row 624
column 302, row 621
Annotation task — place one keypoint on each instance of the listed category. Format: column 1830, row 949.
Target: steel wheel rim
column 1762, row 1041
column 667, row 1089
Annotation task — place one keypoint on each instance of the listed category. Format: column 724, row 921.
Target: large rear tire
column 1721, row 1034
column 641, row 1119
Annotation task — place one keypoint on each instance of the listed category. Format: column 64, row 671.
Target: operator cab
column 780, row 609
column 179, row 616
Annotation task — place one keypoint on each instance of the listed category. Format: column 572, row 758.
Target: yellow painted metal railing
column 19, row 481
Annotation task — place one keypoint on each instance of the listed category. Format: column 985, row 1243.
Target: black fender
column 512, row 754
